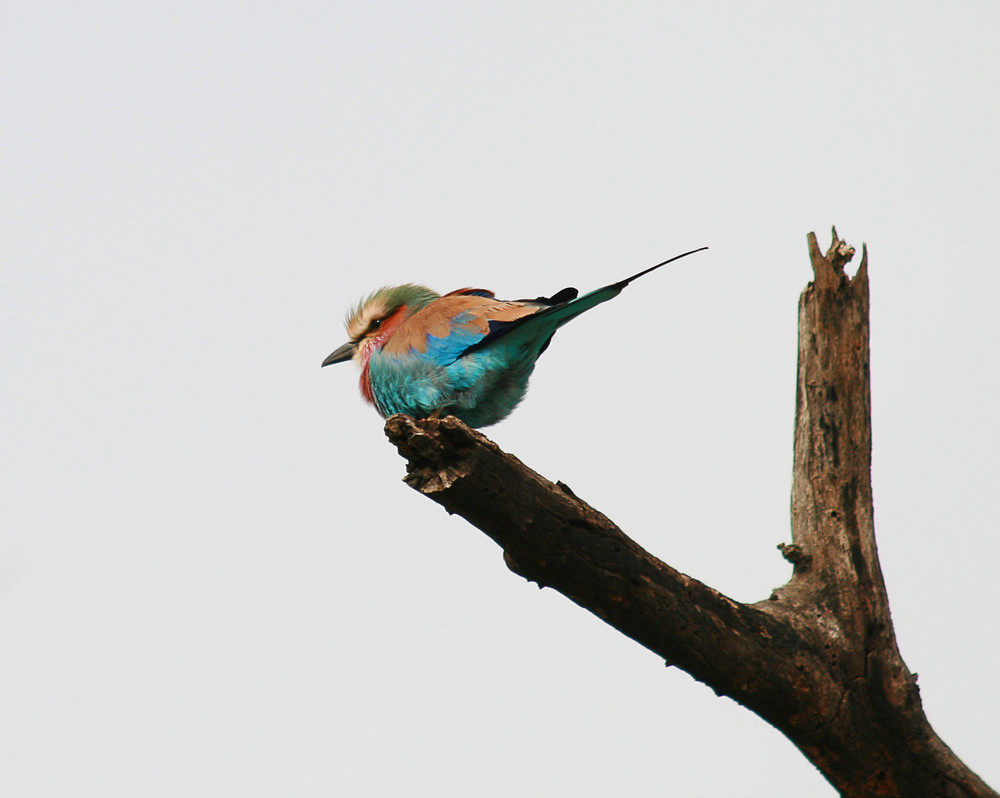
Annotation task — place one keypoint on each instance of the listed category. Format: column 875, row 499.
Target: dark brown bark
column 817, row 659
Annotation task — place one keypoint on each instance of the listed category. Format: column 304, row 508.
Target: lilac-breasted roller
column 465, row 354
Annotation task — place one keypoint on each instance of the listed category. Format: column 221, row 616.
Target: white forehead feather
column 367, row 310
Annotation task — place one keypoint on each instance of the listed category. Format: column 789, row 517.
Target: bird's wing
column 551, row 314
column 449, row 326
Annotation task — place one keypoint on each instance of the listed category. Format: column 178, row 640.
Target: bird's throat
column 372, row 343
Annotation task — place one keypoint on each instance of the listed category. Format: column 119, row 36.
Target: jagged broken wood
column 818, row 658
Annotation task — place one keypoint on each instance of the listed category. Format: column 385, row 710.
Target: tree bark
column 818, row 658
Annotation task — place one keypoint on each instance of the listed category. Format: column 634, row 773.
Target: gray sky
column 213, row 582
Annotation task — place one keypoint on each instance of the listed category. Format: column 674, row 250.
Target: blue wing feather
column 451, row 347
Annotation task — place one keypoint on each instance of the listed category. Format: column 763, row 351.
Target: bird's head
column 375, row 317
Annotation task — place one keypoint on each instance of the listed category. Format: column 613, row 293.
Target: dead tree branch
column 817, row 659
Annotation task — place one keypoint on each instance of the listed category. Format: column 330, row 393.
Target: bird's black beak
column 346, row 352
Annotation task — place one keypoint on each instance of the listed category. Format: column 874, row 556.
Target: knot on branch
column 521, row 570
column 796, row 555
column 436, row 450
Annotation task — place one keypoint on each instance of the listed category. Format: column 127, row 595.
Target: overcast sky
column 213, row 581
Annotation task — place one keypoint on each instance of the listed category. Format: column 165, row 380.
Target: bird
column 465, row 353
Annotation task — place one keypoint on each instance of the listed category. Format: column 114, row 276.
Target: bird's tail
column 563, row 306
column 559, row 314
